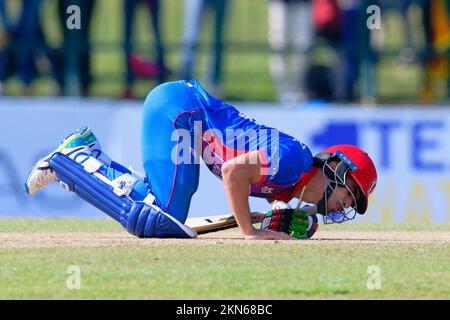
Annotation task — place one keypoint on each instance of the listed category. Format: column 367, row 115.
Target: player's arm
column 238, row 174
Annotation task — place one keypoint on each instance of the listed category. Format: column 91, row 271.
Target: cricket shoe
column 81, row 141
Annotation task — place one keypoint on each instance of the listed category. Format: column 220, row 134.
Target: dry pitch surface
column 231, row 236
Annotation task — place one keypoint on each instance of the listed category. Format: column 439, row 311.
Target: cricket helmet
column 351, row 161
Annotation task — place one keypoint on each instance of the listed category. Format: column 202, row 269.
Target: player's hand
column 301, row 223
column 261, row 234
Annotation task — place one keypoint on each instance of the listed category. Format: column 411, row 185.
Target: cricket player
column 183, row 123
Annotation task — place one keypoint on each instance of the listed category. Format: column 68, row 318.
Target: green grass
column 257, row 271
column 248, row 270
column 59, row 224
column 385, row 227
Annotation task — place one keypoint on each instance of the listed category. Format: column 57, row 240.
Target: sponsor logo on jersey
column 266, row 189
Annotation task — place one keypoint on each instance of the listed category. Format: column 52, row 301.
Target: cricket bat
column 216, row 223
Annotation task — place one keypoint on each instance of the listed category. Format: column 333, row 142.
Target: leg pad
column 139, row 218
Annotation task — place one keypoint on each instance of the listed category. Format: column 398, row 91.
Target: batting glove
column 298, row 223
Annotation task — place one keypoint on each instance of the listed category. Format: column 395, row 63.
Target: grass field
column 35, row 256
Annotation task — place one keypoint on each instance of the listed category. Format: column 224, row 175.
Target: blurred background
column 283, row 50
column 371, row 73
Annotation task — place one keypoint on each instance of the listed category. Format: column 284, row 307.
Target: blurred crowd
column 297, row 28
column 297, row 31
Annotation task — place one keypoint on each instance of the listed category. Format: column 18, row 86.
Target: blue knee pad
column 141, row 219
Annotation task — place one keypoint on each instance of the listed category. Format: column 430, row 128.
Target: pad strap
column 122, row 185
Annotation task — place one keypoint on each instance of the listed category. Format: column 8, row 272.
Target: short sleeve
column 284, row 165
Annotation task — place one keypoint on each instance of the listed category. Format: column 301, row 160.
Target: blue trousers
column 169, row 107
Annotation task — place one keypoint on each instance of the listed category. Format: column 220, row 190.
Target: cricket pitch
column 413, row 262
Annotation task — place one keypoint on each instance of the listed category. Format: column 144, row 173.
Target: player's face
column 342, row 198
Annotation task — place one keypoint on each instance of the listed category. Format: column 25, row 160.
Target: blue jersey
column 228, row 133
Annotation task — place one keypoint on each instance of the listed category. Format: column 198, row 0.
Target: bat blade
column 216, row 223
